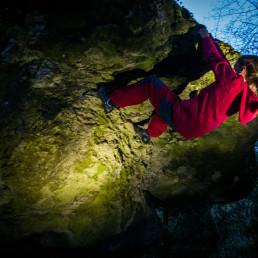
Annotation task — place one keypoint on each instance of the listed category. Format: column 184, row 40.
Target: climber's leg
column 157, row 126
column 132, row 94
column 160, row 96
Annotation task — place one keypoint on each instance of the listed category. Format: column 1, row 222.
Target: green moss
column 100, row 216
column 207, row 154
column 96, row 217
column 145, row 62
column 67, row 173
column 100, row 170
column 35, row 154
column 81, row 164
column 64, row 51
column 100, row 130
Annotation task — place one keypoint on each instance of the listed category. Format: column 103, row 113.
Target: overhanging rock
column 73, row 176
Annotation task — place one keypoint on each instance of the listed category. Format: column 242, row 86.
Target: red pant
column 160, row 96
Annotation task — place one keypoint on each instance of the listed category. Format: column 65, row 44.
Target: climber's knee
column 153, row 80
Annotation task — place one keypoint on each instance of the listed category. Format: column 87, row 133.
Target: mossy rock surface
column 70, row 175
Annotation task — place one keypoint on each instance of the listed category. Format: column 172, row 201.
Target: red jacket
column 216, row 102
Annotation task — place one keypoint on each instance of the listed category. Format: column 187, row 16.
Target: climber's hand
column 204, row 33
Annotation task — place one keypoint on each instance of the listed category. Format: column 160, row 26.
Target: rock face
column 72, row 175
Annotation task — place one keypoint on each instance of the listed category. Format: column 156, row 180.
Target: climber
column 233, row 90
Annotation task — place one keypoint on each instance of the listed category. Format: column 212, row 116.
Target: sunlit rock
column 72, row 175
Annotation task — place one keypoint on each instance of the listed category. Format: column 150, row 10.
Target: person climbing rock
column 234, row 90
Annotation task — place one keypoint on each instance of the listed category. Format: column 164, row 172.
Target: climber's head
column 247, row 66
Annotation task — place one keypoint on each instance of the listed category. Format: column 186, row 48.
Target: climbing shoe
column 104, row 99
column 143, row 133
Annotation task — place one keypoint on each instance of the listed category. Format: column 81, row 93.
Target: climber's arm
column 220, row 51
column 223, row 72
column 204, row 34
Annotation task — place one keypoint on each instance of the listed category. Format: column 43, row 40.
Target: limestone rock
column 72, row 175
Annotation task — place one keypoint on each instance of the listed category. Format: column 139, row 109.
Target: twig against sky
column 240, row 23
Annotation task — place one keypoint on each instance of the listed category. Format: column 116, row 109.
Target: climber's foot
column 104, row 99
column 143, row 133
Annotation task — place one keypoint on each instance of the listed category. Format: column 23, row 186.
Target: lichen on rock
column 74, row 175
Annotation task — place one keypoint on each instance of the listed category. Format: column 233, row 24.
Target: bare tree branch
column 237, row 20
column 240, row 12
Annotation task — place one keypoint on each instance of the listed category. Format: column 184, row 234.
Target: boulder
column 72, row 176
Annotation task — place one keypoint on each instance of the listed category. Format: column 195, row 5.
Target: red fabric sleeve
column 223, row 72
column 220, row 51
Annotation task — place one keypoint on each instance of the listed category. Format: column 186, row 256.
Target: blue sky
column 241, row 15
column 201, row 10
